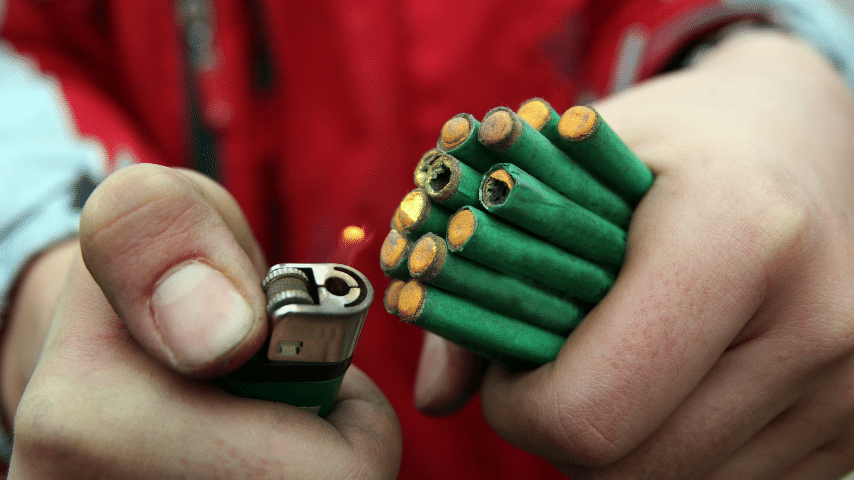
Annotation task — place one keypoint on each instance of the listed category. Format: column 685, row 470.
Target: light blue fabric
column 818, row 22
column 41, row 159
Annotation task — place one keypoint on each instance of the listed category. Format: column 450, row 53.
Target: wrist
column 768, row 52
column 746, row 70
column 792, row 94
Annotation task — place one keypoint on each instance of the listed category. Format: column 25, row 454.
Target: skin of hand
column 163, row 294
column 726, row 348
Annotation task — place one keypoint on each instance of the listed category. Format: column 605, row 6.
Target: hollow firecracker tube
column 541, row 116
column 592, row 143
column 489, row 241
column 391, row 296
column 430, row 262
column 510, row 193
column 485, row 332
column 459, row 137
column 394, row 254
column 515, row 141
column 417, row 214
column 421, row 174
column 452, row 183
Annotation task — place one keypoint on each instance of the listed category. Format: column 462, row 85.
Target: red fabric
column 361, row 91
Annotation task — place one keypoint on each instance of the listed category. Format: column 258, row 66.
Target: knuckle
column 370, row 469
column 769, row 226
column 48, row 433
column 783, row 216
column 586, row 430
column 377, row 457
column 795, row 223
column 585, row 427
column 594, row 437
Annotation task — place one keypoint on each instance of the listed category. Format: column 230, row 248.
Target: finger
column 635, row 357
column 171, row 266
column 448, row 376
column 811, row 423
column 831, row 461
column 367, row 421
column 741, row 395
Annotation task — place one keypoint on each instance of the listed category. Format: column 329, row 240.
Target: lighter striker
column 316, row 313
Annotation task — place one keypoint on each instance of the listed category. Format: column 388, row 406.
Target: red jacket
column 355, row 93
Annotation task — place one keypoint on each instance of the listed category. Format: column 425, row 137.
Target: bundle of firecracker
column 516, row 229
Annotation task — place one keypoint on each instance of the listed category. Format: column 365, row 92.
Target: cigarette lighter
column 316, row 313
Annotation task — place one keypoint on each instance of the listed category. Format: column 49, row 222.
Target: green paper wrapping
column 515, row 141
column 452, row 183
column 489, row 241
column 459, row 139
column 479, row 329
column 394, row 254
column 510, row 193
column 540, row 115
column 430, row 262
column 589, row 140
column 391, row 296
column 417, row 214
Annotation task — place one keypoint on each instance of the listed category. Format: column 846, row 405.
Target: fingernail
column 431, row 365
column 199, row 313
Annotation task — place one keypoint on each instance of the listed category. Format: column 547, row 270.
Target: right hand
column 165, row 295
column 725, row 349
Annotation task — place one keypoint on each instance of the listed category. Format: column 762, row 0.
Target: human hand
column 169, row 297
column 726, row 347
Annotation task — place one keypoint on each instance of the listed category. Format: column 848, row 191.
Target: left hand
column 725, row 349
column 168, row 297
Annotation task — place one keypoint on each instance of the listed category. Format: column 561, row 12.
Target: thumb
column 174, row 256
column 448, row 376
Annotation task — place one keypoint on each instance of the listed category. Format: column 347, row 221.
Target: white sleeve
column 46, row 169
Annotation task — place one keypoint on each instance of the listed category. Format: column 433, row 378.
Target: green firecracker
column 452, row 183
column 510, row 193
column 539, row 114
column 489, row 241
column 417, row 214
column 431, row 262
column 488, row 333
column 515, row 141
column 459, row 137
column 394, row 255
column 592, row 143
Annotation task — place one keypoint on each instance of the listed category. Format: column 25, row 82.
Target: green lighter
column 316, row 314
